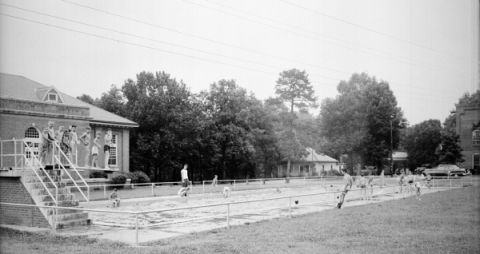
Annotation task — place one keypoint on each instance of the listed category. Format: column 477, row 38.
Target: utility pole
column 391, row 144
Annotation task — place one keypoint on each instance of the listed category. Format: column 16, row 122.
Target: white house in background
column 312, row 164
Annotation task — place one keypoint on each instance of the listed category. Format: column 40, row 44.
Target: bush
column 138, row 177
column 118, row 179
column 98, row 174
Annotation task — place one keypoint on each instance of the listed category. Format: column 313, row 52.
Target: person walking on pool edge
column 183, row 192
column 348, row 186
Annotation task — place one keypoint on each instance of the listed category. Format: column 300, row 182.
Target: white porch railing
column 13, row 155
column 59, row 156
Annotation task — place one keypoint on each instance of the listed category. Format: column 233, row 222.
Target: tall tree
column 363, row 121
column 237, row 124
column 450, row 151
column 112, row 101
column 169, row 124
column 423, row 143
column 293, row 88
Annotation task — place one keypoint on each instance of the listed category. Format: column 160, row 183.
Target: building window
column 476, row 161
column 304, row 169
column 112, row 161
column 52, row 97
column 32, row 140
column 476, row 137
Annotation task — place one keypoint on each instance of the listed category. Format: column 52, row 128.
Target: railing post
column 203, row 185
column 88, row 193
column 104, row 191
column 136, row 229
column 15, row 152
column 228, row 215
column 234, row 184
column 1, row 154
column 153, row 185
column 290, row 207
column 54, row 218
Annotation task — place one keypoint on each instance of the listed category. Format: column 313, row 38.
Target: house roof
column 399, row 156
column 21, row 88
column 313, row 156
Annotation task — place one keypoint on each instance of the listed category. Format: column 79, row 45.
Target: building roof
column 399, row 156
column 313, row 156
column 21, row 88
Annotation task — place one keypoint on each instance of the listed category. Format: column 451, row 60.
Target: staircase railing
column 34, row 163
column 58, row 159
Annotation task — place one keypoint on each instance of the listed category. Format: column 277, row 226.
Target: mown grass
column 444, row 222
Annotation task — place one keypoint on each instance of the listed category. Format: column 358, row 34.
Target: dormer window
column 52, row 97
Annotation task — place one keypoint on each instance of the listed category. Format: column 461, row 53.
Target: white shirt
column 184, row 174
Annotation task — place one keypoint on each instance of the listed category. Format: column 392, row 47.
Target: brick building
column 27, row 106
column 468, row 128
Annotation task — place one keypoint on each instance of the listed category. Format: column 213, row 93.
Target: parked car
column 420, row 170
column 446, row 169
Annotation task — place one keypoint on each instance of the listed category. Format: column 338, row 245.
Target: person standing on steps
column 106, row 147
column 85, row 138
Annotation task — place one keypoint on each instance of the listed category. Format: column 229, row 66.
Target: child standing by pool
column 115, row 199
column 418, row 189
column 214, row 181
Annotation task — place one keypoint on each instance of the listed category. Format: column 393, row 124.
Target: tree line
column 227, row 131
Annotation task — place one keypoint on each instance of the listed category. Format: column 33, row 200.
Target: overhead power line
column 141, row 45
column 199, row 37
column 362, row 27
column 314, row 36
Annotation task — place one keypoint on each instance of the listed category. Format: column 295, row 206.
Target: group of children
column 413, row 182
column 68, row 139
column 186, row 184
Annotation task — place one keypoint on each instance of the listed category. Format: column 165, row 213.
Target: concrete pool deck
column 155, row 226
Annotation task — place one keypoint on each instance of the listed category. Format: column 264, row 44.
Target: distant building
column 312, row 164
column 468, row 128
column 27, row 106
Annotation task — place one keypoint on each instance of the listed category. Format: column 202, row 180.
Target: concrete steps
column 64, row 218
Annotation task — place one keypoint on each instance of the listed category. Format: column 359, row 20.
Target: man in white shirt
column 185, row 183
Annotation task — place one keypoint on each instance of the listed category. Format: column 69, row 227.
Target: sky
column 427, row 50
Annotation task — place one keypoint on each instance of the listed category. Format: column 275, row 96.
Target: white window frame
column 54, row 94
column 32, row 142
column 476, row 137
column 473, row 159
column 114, row 151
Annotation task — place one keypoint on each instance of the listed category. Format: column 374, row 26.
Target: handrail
column 73, row 180
column 32, row 167
column 56, row 145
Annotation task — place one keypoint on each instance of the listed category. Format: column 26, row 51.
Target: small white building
column 312, row 164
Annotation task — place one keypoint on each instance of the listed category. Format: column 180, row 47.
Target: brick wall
column 13, row 191
column 466, row 118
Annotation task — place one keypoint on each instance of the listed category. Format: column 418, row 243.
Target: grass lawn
column 444, row 222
